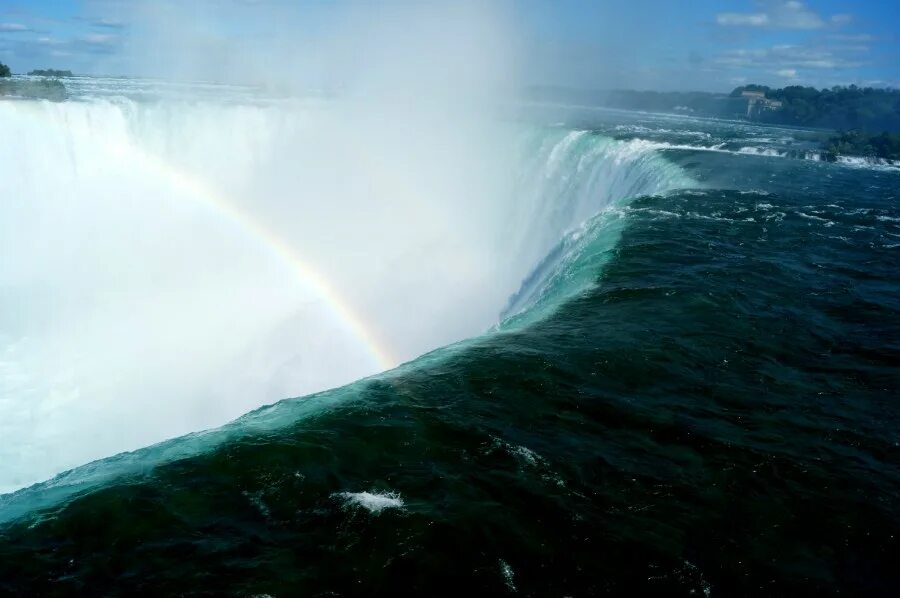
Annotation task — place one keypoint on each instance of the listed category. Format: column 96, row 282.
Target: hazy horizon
column 708, row 46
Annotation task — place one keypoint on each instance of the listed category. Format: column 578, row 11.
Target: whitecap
column 811, row 217
column 508, row 575
column 761, row 151
column 375, row 503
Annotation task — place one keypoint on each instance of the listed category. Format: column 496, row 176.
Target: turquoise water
column 694, row 393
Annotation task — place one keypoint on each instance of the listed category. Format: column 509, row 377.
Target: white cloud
column 99, row 38
column 787, row 57
column 740, row 19
column 842, row 19
column 13, row 27
column 108, row 23
column 787, row 73
column 775, row 14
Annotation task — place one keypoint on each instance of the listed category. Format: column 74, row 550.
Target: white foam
column 373, row 502
column 868, row 162
column 811, row 217
column 528, row 455
column 762, row 151
column 508, row 575
column 813, row 156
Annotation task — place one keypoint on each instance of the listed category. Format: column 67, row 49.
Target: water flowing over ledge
column 174, row 264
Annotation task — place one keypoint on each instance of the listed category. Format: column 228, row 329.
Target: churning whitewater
column 169, row 264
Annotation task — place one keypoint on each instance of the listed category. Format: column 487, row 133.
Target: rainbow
column 341, row 309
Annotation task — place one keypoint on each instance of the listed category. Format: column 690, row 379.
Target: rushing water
column 676, row 370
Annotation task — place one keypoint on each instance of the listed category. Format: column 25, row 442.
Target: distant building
column 758, row 102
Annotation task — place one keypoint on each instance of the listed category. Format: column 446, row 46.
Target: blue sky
column 674, row 44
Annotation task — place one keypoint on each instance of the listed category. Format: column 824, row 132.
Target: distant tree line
column 859, row 143
column 38, row 89
column 50, row 73
column 868, row 119
column 42, row 89
column 840, row 108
